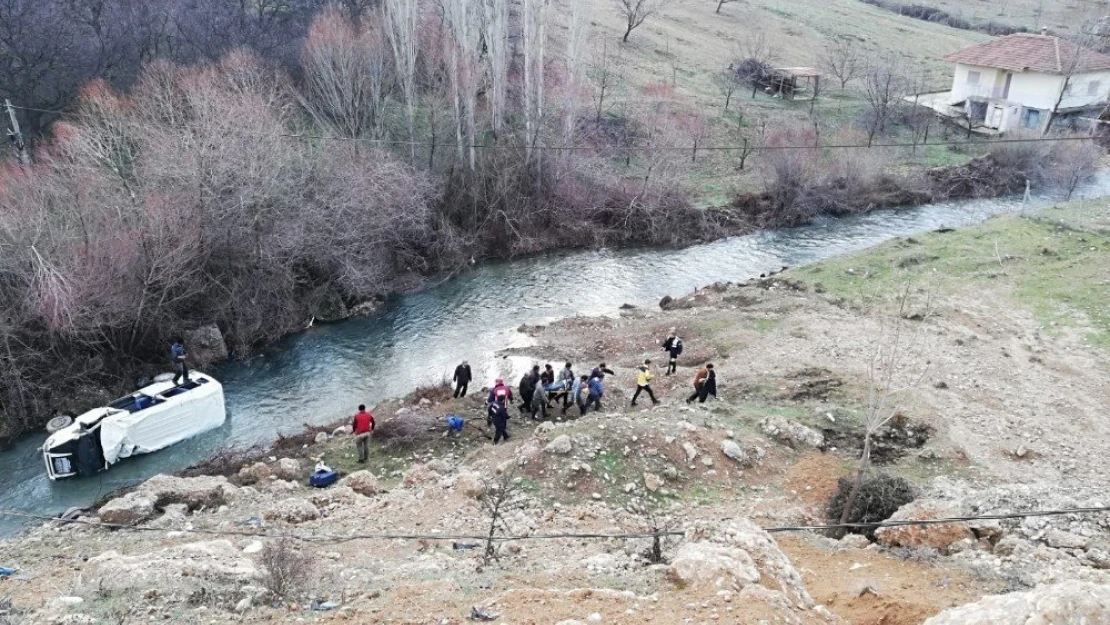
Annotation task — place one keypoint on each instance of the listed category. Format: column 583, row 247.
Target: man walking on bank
column 643, row 382
column 705, row 384
column 673, row 347
column 461, row 379
column 362, row 428
column 499, row 417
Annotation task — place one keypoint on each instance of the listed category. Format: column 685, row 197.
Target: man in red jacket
column 363, row 425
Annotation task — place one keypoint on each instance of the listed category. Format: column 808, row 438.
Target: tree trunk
column 627, row 33
column 853, row 496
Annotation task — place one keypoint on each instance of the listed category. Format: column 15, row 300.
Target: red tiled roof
column 1032, row 53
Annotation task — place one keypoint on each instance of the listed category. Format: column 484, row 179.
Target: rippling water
column 322, row 374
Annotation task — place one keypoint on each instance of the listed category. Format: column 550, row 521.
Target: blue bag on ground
column 323, row 476
column 455, row 423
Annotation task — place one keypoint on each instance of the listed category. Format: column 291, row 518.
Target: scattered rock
column 343, row 430
column 321, row 437
column 562, row 445
column 254, row 473
column 940, row 536
column 128, row 510
column 255, row 546
column 419, row 474
column 1058, row 604
column 666, row 302
column 1065, row 540
column 214, row 562
column 671, row 473
column 470, row 484
column 704, row 562
column 291, row 510
column 362, row 482
column 691, row 451
column 791, row 434
column 734, row 452
column 205, row 345
column 63, row 603
column 288, row 469
column 853, row 541
column 652, row 482
column 244, row 604
column 363, row 309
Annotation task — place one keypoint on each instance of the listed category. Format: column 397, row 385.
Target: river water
column 322, row 374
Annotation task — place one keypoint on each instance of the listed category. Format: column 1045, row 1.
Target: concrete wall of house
column 984, row 86
column 1029, row 89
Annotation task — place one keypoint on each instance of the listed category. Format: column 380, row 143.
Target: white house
column 1016, row 82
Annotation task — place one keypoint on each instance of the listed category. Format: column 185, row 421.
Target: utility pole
column 16, row 137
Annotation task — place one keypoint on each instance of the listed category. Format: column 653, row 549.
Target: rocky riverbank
column 1011, row 319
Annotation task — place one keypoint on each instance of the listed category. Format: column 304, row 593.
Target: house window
column 973, row 78
column 1093, row 87
column 1031, row 118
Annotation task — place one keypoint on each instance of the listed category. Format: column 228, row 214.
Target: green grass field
column 1055, row 263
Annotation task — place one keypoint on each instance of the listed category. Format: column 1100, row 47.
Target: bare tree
column 721, row 3
column 756, row 58
column 897, row 365
column 495, row 34
column 404, row 21
column 606, row 71
column 636, row 11
column 884, row 86
column 727, row 84
column 1072, row 164
column 286, row 569
column 462, row 18
column 504, row 495
column 578, row 33
column 534, row 16
column 345, row 74
column 843, row 60
column 1074, row 59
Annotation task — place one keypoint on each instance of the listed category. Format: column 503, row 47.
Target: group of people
column 540, row 387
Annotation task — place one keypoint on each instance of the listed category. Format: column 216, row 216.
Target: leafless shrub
column 504, row 495
column 286, row 567
column 635, row 12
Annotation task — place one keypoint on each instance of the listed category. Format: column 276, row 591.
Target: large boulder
column 291, row 510
column 705, row 562
column 216, row 561
column 288, row 469
column 744, row 557
column 328, row 305
column 130, row 509
column 940, row 536
column 562, row 445
column 362, row 482
column 791, row 434
column 209, row 491
column 205, row 345
column 1069, row 603
column 163, row 490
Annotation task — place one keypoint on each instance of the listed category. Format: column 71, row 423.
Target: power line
column 747, row 149
column 554, row 536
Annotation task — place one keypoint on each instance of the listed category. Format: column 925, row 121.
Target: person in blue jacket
column 595, row 395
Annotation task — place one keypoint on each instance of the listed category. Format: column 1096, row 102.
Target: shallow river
column 322, row 374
